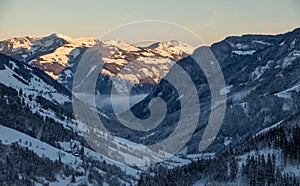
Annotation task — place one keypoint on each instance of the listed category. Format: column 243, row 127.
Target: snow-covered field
column 35, row 87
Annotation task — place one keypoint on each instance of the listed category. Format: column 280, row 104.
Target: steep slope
column 31, row 81
column 262, row 78
column 36, row 121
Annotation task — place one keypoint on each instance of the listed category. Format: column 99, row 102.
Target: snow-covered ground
column 42, row 149
column 287, row 93
column 35, row 87
column 62, row 55
column 226, row 90
column 269, row 128
column 201, row 156
column 244, row 52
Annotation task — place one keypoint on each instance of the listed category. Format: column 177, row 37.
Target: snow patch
column 241, row 46
column 269, row 128
column 290, row 58
column 227, row 141
column 244, row 52
column 286, row 94
column 259, row 71
column 201, row 156
column 226, row 90
column 261, row 42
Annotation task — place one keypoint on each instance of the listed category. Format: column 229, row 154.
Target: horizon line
column 208, row 43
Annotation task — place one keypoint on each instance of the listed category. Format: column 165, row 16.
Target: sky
column 211, row 20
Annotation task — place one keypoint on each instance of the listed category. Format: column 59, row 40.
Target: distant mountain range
column 56, row 54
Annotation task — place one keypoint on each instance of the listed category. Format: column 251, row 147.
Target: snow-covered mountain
column 36, row 118
column 51, row 53
column 56, row 55
column 144, row 65
column 40, row 135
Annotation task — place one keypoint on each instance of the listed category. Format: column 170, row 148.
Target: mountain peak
column 61, row 36
column 111, row 43
column 172, row 45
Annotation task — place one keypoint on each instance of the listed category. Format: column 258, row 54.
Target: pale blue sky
column 211, row 20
